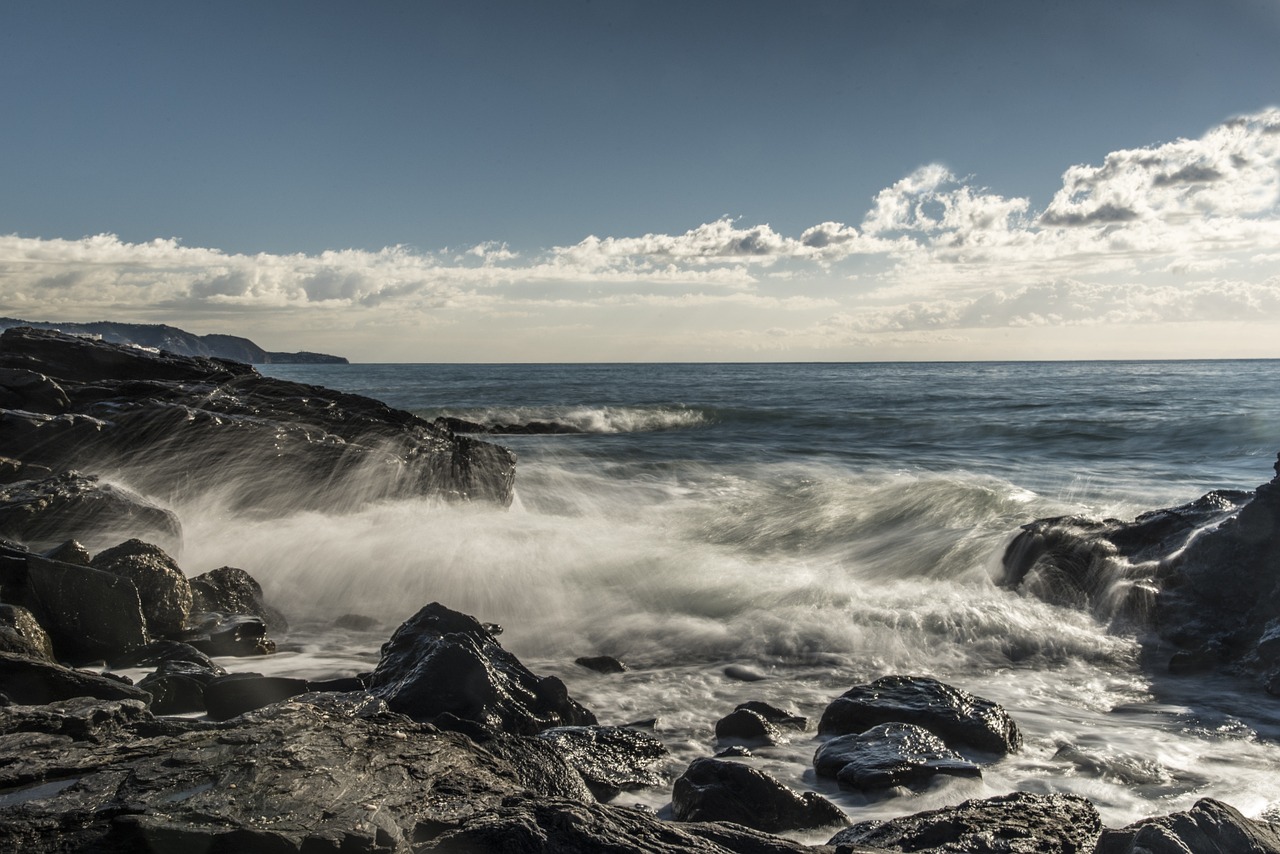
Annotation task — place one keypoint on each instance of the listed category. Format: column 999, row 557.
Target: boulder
column 1022, row 822
column 228, row 634
column 33, row 681
column 890, row 755
column 230, row 590
column 21, row 633
column 601, row 664
column 1209, row 827
column 610, row 759
column 177, row 425
column 748, row 728
column 77, row 718
column 959, row 718
column 177, row 687
column 163, row 589
column 441, row 661
column 158, row 652
column 43, row 513
column 72, row 552
column 89, row 614
column 774, row 715
column 719, row 790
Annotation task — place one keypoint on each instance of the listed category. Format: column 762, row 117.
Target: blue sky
column 651, row 180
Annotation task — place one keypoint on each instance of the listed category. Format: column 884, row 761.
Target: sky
column 585, row 181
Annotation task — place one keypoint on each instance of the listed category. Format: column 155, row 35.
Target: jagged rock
column 601, row 664
column 775, row 715
column 12, row 470
column 44, row 513
column 270, row 443
column 72, row 552
column 890, row 755
column 315, row 774
column 158, row 652
column 89, row 614
column 77, row 718
column 441, row 661
column 20, row 632
column 610, row 759
column 746, row 727
column 1022, row 822
column 163, row 589
column 32, row 681
column 718, row 790
column 959, row 718
column 535, row 825
column 1209, row 827
column 230, row 590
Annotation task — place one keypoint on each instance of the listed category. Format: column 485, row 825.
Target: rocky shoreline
column 450, row 743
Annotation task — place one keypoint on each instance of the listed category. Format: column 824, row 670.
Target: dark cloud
column 1193, row 174
column 1105, row 214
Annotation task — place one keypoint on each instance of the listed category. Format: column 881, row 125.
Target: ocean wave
column 580, row 419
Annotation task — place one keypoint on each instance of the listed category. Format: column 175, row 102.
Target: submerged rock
column 719, row 790
column 1022, row 822
column 890, row 755
column 443, row 662
column 959, row 718
column 601, row 664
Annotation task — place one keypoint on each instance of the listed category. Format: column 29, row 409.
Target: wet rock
column 158, row 652
column 44, row 513
column 72, row 552
column 746, row 727
column 775, row 715
column 610, row 759
column 230, row 590
column 737, row 751
column 229, row 634
column 296, row 776
column 77, row 718
column 89, row 614
column 177, row 687
column 274, row 444
column 12, row 470
column 1209, row 827
column 1043, row 824
column 234, row 694
column 744, row 674
column 163, row 590
column 601, row 664
column 716, row 790
column 442, row 661
column 890, row 755
column 22, row 388
column 21, row 633
column 356, row 623
column 959, row 718
column 529, row 428
column 33, row 682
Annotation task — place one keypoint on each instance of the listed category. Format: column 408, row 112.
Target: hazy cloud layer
column 1184, row 231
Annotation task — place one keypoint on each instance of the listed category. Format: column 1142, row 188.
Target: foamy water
column 816, row 533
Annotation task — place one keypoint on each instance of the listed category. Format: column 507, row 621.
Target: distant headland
column 161, row 337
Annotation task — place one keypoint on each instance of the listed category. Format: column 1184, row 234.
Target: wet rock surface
column 163, row 590
column 231, row 590
column 1209, row 827
column 720, row 790
column 43, row 513
column 32, row 681
column 610, row 759
column 959, row 718
column 747, row 728
column 890, row 755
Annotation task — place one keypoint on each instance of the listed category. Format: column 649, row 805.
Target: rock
column 959, row 718
column 44, row 513
column 1022, row 822
column 32, row 681
column 72, row 552
column 77, row 718
column 441, row 661
column 21, row 388
column 534, row 825
column 229, row 634
column 230, row 590
column 21, row 633
column 89, row 614
column 601, row 664
column 316, row 774
column 889, row 755
column 746, row 727
column 158, row 652
column 177, row 687
column 270, row 444
column 1209, row 827
column 610, row 759
column 744, row 674
column 717, row 790
column 232, row 695
column 775, row 715
column 12, row 470
column 530, row 428
column 163, row 589
column 356, row 623
column 737, row 751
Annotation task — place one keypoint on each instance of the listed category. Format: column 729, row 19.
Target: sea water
column 820, row 525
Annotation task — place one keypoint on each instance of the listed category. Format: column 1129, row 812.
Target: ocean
column 820, row 525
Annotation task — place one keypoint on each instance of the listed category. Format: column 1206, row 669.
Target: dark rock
column 229, row 634
column 44, row 513
column 890, row 755
column 533, row 825
column 20, row 632
column 529, row 428
column 443, row 661
column 269, row 443
column 744, row 726
column 230, row 590
column 21, row 388
column 744, row 674
column 737, row 751
column 163, row 589
column 775, row 715
column 601, row 664
column 716, row 790
column 959, row 718
column 336, row 775
column 12, row 470
column 610, row 759
column 32, row 681
column 77, row 718
column 88, row 614
column 158, row 652
column 72, row 552
column 1022, row 822
column 357, row 623
column 1209, row 827
column 232, row 695
column 177, row 687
